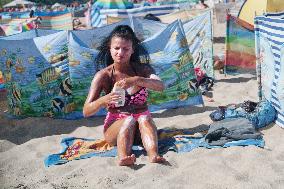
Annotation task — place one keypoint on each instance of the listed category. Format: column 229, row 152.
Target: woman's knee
column 146, row 119
column 128, row 126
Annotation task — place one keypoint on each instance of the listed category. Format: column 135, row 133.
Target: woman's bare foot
column 127, row 161
column 157, row 159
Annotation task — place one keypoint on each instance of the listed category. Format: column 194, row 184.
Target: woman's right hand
column 110, row 99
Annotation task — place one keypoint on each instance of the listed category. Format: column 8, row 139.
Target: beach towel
column 170, row 139
column 231, row 129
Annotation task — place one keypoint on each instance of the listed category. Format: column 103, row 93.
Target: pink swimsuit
column 138, row 98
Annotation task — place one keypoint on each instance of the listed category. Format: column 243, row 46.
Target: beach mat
column 170, row 139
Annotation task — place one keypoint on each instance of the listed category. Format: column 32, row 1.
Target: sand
column 25, row 143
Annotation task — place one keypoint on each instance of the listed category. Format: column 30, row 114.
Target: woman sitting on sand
column 122, row 53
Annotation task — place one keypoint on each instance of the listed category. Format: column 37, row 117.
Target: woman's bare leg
column 121, row 133
column 149, row 137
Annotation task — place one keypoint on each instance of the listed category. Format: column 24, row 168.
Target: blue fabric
column 263, row 115
column 269, row 35
column 30, row 34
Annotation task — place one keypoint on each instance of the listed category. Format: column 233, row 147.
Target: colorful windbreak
column 170, row 57
column 198, row 32
column 269, row 35
column 52, row 21
column 36, row 74
column 240, row 46
column 51, row 75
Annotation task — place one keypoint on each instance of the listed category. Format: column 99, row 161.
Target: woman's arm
column 147, row 78
column 94, row 102
column 153, row 82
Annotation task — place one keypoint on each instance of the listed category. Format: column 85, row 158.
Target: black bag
column 218, row 114
column 248, row 106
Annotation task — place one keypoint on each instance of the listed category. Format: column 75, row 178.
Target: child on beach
column 128, row 111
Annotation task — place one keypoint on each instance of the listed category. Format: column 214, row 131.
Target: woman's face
column 121, row 50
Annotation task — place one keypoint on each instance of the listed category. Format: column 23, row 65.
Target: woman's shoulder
column 104, row 73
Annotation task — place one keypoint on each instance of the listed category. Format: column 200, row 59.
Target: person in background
column 152, row 17
column 130, row 120
column 32, row 12
column 201, row 5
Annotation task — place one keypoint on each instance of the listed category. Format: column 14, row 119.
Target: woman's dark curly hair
column 139, row 56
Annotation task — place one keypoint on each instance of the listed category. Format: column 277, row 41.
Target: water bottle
column 121, row 92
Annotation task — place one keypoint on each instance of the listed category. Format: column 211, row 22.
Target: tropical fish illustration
column 4, row 52
column 15, row 109
column 57, row 104
column 9, row 63
column 48, row 75
column 74, row 62
column 19, row 61
column 31, row 59
column 183, row 96
column 193, row 84
column 48, row 114
column 199, row 59
column 86, row 55
column 65, row 87
column 19, row 68
column 46, row 48
column 8, row 76
column 57, row 58
column 16, row 93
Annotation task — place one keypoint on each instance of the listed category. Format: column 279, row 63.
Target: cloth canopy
column 113, row 4
column 16, row 3
column 57, row 5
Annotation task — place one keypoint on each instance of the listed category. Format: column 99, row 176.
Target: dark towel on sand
column 231, row 129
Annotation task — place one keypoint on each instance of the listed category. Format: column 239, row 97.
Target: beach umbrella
column 252, row 8
column 57, row 5
column 17, row 3
column 113, row 4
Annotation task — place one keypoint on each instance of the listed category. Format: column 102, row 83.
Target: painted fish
column 86, row 55
column 16, row 93
column 65, row 87
column 48, row 75
column 57, row 58
column 183, row 96
column 31, row 59
column 57, row 104
column 193, row 84
column 46, row 48
column 19, row 69
column 74, row 62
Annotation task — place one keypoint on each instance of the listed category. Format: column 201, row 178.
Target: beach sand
column 25, row 143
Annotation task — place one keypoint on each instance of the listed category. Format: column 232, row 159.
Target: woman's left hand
column 128, row 82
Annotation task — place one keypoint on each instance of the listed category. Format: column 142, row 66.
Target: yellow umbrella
column 252, row 8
